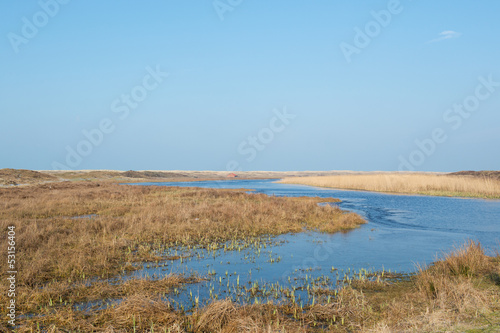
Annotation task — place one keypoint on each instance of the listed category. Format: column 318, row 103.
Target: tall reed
column 430, row 184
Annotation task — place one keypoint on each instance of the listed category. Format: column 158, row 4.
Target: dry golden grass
column 461, row 289
column 464, row 298
column 64, row 292
column 449, row 283
column 134, row 223
column 428, row 184
column 58, row 255
column 394, row 305
column 225, row 316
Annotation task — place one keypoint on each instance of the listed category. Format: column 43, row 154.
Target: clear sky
column 251, row 85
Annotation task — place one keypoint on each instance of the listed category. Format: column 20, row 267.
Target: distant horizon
column 225, row 171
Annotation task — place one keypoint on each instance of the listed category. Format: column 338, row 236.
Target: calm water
column 402, row 230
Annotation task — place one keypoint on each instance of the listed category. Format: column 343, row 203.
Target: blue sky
column 234, row 69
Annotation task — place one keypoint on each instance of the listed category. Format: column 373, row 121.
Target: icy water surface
column 402, row 230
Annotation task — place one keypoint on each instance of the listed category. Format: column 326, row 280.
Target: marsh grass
column 465, row 297
column 58, row 293
column 427, row 184
column 137, row 223
column 66, row 261
column 454, row 283
column 392, row 304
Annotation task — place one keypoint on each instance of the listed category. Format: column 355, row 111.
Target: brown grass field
column 63, row 260
column 427, row 184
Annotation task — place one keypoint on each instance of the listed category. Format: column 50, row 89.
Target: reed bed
column 71, row 230
column 68, row 234
column 67, row 256
column 427, row 184
column 77, row 230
